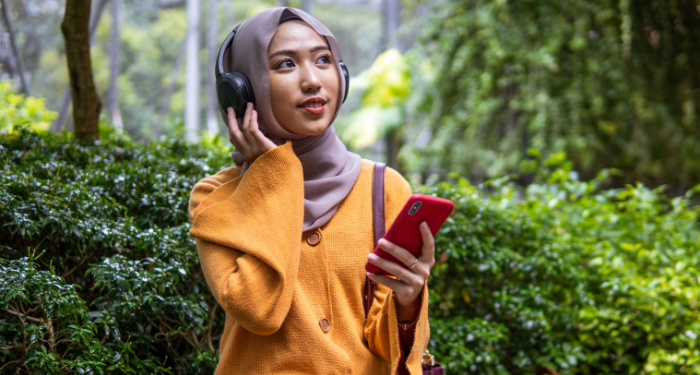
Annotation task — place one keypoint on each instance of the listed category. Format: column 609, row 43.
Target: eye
column 325, row 59
column 284, row 64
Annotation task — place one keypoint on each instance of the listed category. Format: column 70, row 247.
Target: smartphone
column 405, row 231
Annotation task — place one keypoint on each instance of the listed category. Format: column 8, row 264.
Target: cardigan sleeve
column 382, row 326
column 247, row 233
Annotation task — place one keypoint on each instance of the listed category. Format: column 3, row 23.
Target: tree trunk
column 165, row 107
column 60, row 121
column 212, row 100
column 114, row 64
column 192, row 70
column 392, row 21
column 15, row 50
column 86, row 101
column 7, row 59
column 394, row 140
column 306, row 6
column 229, row 15
column 283, row 3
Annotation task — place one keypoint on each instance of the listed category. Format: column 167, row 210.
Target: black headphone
column 234, row 89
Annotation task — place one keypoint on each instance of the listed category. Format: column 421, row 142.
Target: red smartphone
column 405, row 230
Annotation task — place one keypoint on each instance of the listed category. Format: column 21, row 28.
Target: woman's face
column 304, row 80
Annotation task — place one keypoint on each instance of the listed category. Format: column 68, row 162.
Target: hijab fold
column 330, row 170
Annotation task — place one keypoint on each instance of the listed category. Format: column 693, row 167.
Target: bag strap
column 378, row 223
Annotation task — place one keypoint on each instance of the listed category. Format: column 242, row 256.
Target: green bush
column 567, row 275
column 21, row 109
column 98, row 273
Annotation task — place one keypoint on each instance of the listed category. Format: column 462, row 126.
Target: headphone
column 234, row 89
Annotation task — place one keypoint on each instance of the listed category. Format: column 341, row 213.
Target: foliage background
column 98, row 273
column 474, row 87
column 585, row 262
column 611, row 83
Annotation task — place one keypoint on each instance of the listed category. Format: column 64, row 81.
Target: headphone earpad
column 346, row 74
column 234, row 90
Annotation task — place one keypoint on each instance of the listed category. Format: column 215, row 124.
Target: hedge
column 98, row 273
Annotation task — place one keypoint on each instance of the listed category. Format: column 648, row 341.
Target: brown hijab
column 330, row 170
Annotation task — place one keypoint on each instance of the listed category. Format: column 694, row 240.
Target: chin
column 314, row 127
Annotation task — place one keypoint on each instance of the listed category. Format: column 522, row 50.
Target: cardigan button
column 314, row 238
column 325, row 324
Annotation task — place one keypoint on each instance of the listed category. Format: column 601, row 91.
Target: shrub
column 568, row 275
column 505, row 291
column 19, row 109
column 111, row 220
column 98, row 273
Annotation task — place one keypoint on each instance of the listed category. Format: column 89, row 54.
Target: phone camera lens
column 414, row 208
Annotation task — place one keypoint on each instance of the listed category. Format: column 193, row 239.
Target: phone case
column 405, row 230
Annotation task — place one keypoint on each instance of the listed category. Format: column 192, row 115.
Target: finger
column 428, row 249
column 401, row 254
column 395, row 285
column 256, row 142
column 246, row 125
column 235, row 135
column 395, row 269
column 265, row 143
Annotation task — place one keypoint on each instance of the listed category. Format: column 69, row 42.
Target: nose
column 310, row 81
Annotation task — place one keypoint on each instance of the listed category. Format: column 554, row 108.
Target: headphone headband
column 227, row 44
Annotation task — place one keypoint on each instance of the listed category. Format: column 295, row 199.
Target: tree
column 114, row 65
column 229, row 15
column 86, row 101
column 610, row 83
column 95, row 16
column 192, row 70
column 15, row 50
column 392, row 21
column 306, row 6
column 165, row 106
column 212, row 44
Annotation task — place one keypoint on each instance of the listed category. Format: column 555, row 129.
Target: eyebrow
column 293, row 52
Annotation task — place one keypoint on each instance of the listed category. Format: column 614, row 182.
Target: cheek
column 332, row 84
column 279, row 94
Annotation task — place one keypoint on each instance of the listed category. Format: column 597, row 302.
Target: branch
column 22, row 316
column 52, row 338
column 212, row 312
column 13, row 41
column 65, row 275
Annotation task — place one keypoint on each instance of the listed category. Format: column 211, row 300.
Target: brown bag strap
column 378, row 223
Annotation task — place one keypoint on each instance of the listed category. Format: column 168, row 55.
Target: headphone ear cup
column 234, row 90
column 346, row 75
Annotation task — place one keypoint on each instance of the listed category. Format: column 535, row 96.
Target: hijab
column 329, row 169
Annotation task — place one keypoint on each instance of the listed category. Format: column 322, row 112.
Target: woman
column 283, row 237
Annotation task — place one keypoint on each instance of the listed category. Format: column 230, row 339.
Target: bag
column 430, row 367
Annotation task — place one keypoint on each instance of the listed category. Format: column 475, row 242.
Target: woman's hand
column 250, row 142
column 409, row 281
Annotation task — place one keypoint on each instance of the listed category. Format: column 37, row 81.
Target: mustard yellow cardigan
column 293, row 307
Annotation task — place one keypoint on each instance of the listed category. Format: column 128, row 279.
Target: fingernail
column 230, row 110
column 371, row 257
column 382, row 242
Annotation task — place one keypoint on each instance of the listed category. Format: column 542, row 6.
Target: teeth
column 312, row 105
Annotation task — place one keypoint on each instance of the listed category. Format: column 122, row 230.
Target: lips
column 314, row 106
